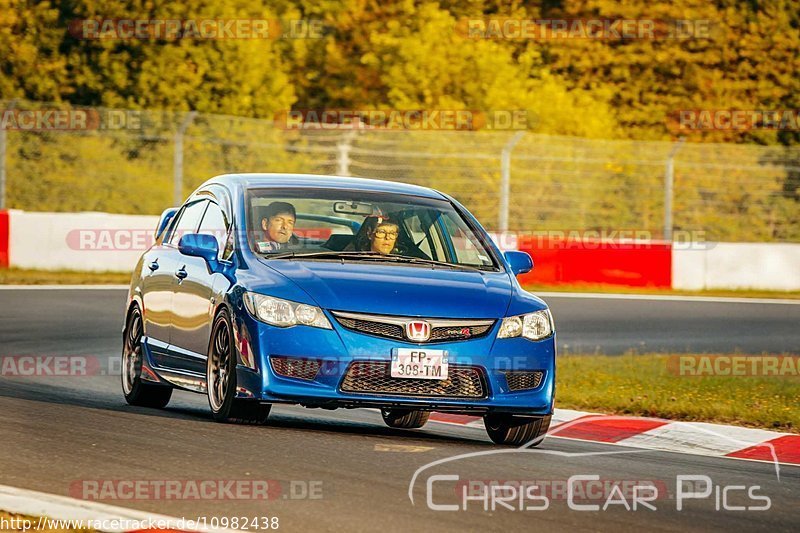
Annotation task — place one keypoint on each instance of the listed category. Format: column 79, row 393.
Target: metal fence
column 141, row 162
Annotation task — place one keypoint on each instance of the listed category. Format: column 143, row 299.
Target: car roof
column 256, row 181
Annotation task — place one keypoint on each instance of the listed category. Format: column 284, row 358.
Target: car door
column 193, row 302
column 158, row 266
column 190, row 216
column 157, row 274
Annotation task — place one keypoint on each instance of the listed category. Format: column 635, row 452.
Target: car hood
column 387, row 289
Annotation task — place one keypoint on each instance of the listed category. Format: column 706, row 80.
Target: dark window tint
column 216, row 223
column 189, row 220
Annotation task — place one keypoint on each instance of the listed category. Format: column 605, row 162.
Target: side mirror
column 200, row 245
column 166, row 218
column 520, row 262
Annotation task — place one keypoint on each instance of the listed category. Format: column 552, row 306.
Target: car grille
column 292, row 367
column 518, row 380
column 391, row 331
column 442, row 330
column 374, row 377
column 451, row 333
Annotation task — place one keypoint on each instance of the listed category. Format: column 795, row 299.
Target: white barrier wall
column 95, row 242
column 104, row 242
column 766, row 266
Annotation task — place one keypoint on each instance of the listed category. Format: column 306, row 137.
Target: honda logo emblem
column 418, row 331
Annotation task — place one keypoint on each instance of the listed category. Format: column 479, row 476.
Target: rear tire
column 515, row 431
column 221, row 380
column 405, row 418
column 136, row 391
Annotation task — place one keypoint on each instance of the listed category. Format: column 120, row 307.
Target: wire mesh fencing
column 57, row 158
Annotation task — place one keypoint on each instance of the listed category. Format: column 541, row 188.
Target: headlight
column 533, row 326
column 283, row 313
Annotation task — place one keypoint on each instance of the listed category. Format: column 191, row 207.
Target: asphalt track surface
column 56, row 432
column 47, row 321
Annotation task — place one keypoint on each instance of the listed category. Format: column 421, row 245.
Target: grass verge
column 642, row 385
column 17, row 276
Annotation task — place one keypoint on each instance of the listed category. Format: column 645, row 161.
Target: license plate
column 414, row 363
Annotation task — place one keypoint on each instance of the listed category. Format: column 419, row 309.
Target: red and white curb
column 64, row 509
column 696, row 438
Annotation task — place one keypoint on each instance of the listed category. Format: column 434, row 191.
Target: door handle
column 181, row 274
column 153, row 266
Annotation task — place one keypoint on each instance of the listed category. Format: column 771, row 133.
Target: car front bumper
column 335, row 350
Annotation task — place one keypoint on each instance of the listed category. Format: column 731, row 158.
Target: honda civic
column 336, row 292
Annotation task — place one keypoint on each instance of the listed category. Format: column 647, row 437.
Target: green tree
column 32, row 64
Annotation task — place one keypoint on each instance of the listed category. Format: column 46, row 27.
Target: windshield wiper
column 420, row 261
column 369, row 255
column 423, row 261
column 324, row 254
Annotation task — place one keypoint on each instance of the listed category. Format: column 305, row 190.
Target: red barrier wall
column 634, row 264
column 4, row 236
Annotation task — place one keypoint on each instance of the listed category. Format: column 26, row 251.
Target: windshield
column 362, row 226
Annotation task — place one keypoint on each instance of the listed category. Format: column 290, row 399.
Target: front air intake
column 523, row 380
column 294, row 367
column 374, row 377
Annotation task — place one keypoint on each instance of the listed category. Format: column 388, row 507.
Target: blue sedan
column 333, row 292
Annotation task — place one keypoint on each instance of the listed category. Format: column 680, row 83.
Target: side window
column 420, row 232
column 217, row 224
column 467, row 250
column 171, row 227
column 189, row 221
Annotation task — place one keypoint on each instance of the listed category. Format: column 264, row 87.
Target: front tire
column 405, row 418
column 515, row 431
column 136, row 391
column 221, row 379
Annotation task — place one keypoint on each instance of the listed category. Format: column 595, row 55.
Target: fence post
column 343, row 148
column 669, row 181
column 177, row 159
column 2, row 168
column 505, row 180
column 11, row 105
